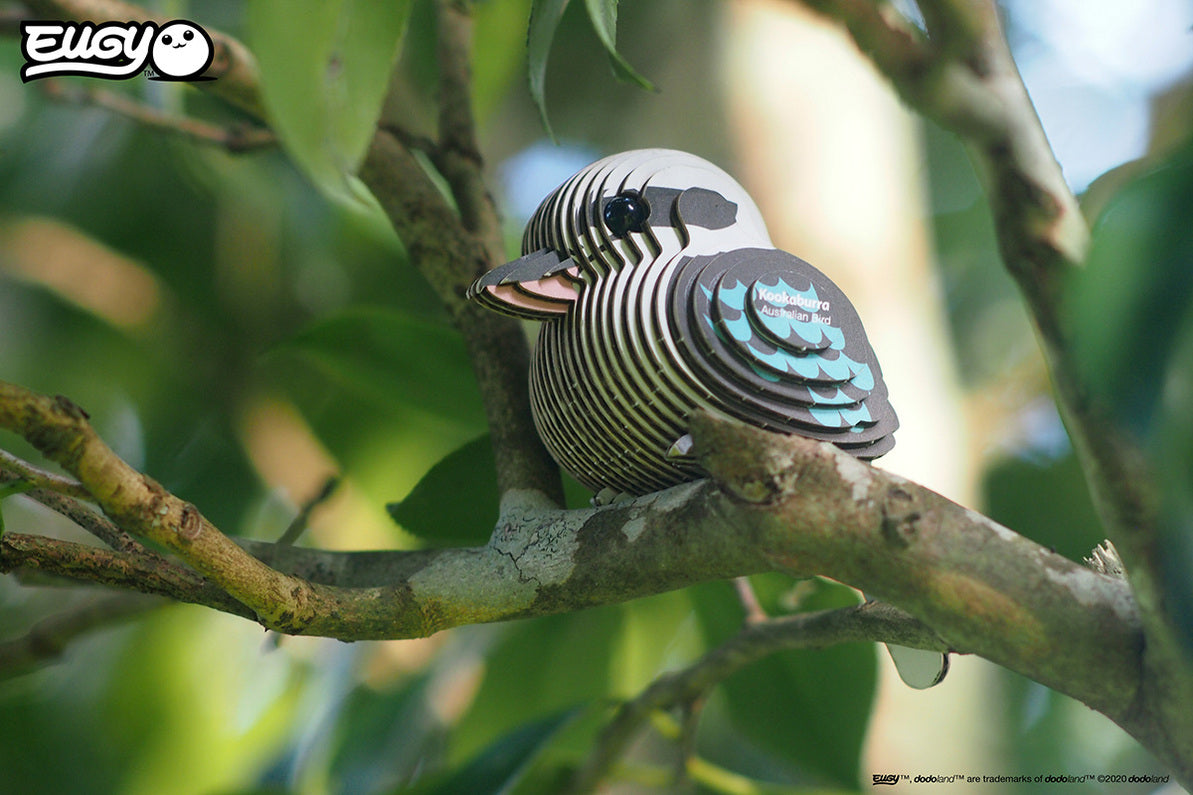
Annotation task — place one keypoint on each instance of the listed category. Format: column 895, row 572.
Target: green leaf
column 7, row 490
column 325, row 67
column 497, row 56
column 1046, row 501
column 1172, row 456
column 375, row 734
column 557, row 758
column 499, row 766
column 391, row 357
column 808, row 708
column 539, row 668
column 544, row 20
column 434, row 510
column 1136, row 290
column 603, row 14
column 1133, row 332
column 556, row 662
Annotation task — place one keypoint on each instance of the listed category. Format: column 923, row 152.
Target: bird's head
column 640, row 208
column 645, row 206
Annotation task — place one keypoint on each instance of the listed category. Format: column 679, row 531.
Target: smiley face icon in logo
column 181, row 51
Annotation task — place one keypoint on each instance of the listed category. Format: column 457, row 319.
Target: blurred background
column 242, row 335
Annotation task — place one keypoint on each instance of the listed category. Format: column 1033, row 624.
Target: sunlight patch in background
column 80, row 270
column 289, row 457
column 1092, row 69
column 527, row 177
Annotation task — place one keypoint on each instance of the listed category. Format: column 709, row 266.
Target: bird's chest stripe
column 599, row 373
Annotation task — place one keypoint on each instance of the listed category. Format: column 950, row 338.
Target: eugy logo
column 178, row 50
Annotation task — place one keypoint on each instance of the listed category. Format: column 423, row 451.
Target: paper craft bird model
column 661, row 293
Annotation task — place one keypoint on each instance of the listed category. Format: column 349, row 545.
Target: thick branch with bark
column 775, row 503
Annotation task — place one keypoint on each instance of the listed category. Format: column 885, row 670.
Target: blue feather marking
column 863, row 377
column 766, row 360
column 740, row 329
column 804, row 366
column 842, row 417
column 733, row 297
column 841, row 369
column 765, row 375
column 857, row 416
column 829, row 418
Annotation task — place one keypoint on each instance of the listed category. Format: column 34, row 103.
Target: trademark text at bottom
column 880, row 779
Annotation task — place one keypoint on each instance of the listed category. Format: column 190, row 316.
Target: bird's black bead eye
column 626, row 213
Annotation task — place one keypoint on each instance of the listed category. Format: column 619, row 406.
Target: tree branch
column 777, row 502
column 686, row 688
column 25, row 554
column 452, row 250
column 48, row 638
column 236, row 138
column 450, row 258
column 457, row 154
column 983, row 588
column 39, row 478
column 962, row 75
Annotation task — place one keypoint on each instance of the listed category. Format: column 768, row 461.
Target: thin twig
column 40, row 478
column 65, row 496
column 299, row 525
column 235, row 138
column 687, row 687
column 96, row 524
column 748, row 597
column 21, row 553
column 47, row 639
column 457, row 155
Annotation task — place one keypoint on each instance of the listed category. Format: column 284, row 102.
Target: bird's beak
column 538, row 286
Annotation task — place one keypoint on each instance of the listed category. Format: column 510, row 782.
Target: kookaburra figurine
column 660, row 294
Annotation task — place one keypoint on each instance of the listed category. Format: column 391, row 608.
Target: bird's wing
column 779, row 345
column 537, row 286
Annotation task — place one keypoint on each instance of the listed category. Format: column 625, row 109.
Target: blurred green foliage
column 173, row 289
column 1133, row 320
column 325, row 105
